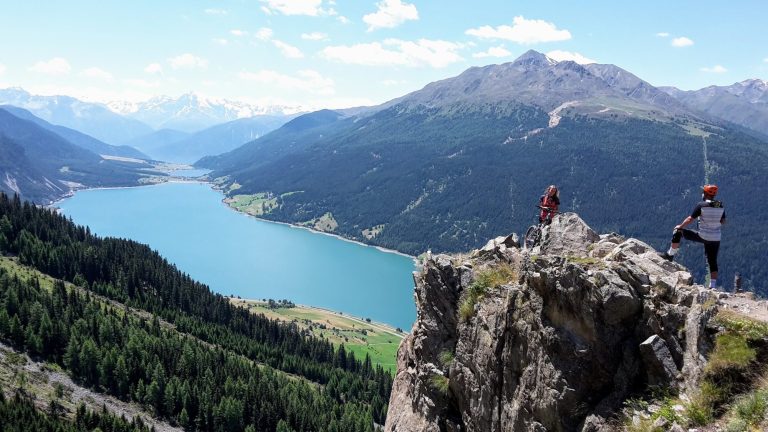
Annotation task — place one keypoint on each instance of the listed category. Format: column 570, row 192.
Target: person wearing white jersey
column 711, row 216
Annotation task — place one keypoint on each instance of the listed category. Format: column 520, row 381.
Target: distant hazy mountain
column 77, row 138
column 191, row 112
column 744, row 103
column 42, row 166
column 150, row 143
column 220, row 138
column 176, row 146
column 466, row 158
column 93, row 119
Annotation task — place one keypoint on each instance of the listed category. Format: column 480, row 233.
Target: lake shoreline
column 53, row 205
column 314, row 231
column 390, row 328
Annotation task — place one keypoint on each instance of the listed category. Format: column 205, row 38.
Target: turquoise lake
column 240, row 255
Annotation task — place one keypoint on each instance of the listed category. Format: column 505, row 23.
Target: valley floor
column 380, row 341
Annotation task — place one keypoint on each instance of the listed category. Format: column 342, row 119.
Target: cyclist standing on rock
column 549, row 203
column 711, row 215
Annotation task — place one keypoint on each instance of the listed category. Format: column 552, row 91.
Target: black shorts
column 711, row 248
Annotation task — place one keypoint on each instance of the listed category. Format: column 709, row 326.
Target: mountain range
column 162, row 127
column 176, row 146
column 92, row 119
column 42, row 166
column 466, row 158
column 78, row 138
column 192, row 112
column 744, row 103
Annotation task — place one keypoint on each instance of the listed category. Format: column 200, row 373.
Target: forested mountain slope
column 77, row 138
column 217, row 367
column 43, row 166
column 466, row 159
column 214, row 140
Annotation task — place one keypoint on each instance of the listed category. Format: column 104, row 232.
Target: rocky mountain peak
column 549, row 339
column 534, row 58
column 536, row 80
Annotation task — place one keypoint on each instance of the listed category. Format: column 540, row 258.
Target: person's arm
column 684, row 223
column 696, row 213
column 722, row 219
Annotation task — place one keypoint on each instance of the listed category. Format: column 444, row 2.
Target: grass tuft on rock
column 484, row 279
column 731, row 352
column 743, row 325
column 751, row 408
column 440, row 383
column 445, row 358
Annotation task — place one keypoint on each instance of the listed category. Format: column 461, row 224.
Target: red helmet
column 710, row 189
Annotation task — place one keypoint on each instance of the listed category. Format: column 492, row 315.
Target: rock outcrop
column 551, row 339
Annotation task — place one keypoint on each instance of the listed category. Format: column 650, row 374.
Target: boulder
column 567, row 235
column 660, row 366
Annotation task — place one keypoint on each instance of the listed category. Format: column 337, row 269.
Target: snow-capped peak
column 192, row 111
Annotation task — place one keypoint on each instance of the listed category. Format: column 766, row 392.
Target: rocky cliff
column 550, row 339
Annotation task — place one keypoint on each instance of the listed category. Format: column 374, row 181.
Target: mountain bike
column 533, row 233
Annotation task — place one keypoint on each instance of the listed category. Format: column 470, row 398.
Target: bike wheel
column 531, row 237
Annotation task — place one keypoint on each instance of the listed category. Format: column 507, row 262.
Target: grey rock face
column 555, row 343
column 660, row 366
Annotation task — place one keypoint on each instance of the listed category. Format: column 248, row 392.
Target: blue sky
column 321, row 53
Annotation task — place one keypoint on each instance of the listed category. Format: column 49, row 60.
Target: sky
column 341, row 53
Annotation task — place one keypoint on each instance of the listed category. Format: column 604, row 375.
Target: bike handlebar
column 547, row 209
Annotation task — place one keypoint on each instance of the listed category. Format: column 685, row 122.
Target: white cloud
column 424, row 52
column 662, row 34
column 765, row 60
column 498, row 51
column 236, row 32
column 522, row 31
column 97, row 73
column 718, row 69
column 216, row 11
column 220, row 41
column 295, row 7
column 289, row 51
column 305, row 81
column 314, row 36
column 569, row 56
column 264, row 33
column 54, row 66
column 188, row 61
column 153, row 68
column 342, row 19
column 681, row 42
column 390, row 14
